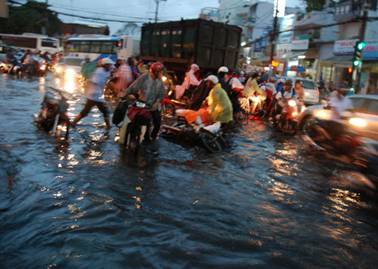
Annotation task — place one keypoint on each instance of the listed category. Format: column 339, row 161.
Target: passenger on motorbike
column 150, row 89
column 220, row 107
column 191, row 81
column 94, row 92
column 225, row 76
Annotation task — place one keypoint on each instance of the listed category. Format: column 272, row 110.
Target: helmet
column 105, row 61
column 223, row 69
column 194, row 67
column 213, row 79
column 156, row 67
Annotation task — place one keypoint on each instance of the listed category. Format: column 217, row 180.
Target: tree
column 314, row 5
column 31, row 17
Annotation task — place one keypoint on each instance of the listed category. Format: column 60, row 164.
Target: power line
column 84, row 16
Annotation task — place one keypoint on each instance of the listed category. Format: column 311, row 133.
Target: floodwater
column 267, row 202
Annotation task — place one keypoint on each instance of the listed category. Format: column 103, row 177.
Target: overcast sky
column 135, row 10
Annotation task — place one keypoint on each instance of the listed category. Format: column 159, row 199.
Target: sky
column 135, row 10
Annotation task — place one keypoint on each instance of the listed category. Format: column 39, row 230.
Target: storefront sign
column 300, row 44
column 344, row 47
column 286, row 24
column 370, row 52
column 283, row 50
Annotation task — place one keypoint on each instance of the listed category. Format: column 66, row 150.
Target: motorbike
column 336, row 138
column 136, row 119
column 287, row 120
column 53, row 118
column 210, row 137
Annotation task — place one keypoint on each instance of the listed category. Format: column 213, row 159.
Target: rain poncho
column 190, row 80
column 88, row 69
column 220, row 107
column 252, row 88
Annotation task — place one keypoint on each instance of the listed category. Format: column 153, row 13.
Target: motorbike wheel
column 287, row 126
column 210, row 141
column 132, row 138
column 169, row 110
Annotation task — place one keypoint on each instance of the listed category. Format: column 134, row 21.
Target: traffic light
column 357, row 57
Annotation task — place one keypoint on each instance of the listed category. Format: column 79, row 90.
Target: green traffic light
column 357, row 63
column 361, row 45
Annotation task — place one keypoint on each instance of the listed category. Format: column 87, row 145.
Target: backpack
column 120, row 111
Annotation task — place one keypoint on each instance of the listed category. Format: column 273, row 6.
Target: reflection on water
column 88, row 204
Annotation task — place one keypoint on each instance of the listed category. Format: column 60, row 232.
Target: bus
column 30, row 41
column 96, row 47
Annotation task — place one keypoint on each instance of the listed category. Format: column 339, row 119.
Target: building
column 347, row 13
column 209, row 13
column 82, row 28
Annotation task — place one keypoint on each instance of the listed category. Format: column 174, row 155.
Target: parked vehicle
column 53, row 117
column 311, row 90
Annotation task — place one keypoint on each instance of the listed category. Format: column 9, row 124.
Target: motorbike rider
column 339, row 104
column 94, row 92
column 150, row 88
column 225, row 77
column 283, row 96
column 254, row 93
column 122, row 76
column 298, row 89
column 191, row 81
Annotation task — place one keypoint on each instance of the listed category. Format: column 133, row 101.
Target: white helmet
column 194, row 67
column 213, row 79
column 223, row 69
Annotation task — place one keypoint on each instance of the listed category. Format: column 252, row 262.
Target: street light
column 157, row 9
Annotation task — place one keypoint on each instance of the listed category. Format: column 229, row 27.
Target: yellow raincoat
column 220, row 107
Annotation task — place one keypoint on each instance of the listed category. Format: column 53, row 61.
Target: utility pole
column 357, row 69
column 157, row 9
column 46, row 20
column 274, row 33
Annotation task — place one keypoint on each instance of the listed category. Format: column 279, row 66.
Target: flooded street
column 265, row 203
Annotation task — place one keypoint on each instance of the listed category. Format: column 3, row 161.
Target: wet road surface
column 265, row 203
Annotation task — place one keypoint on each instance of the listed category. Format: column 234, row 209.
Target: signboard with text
column 300, row 44
column 344, row 47
column 370, row 52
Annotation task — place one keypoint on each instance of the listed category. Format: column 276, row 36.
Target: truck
column 177, row 44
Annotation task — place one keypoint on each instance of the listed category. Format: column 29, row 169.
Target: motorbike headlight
column 43, row 67
column 292, row 103
column 70, row 73
column 59, row 69
column 358, row 122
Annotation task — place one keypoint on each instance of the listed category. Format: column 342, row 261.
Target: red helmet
column 156, row 67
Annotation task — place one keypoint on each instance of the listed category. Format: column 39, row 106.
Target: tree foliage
column 314, row 5
column 31, row 17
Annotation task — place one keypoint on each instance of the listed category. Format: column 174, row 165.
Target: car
column 69, row 67
column 311, row 90
column 364, row 117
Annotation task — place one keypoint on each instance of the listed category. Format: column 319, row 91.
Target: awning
column 340, row 59
column 312, row 53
